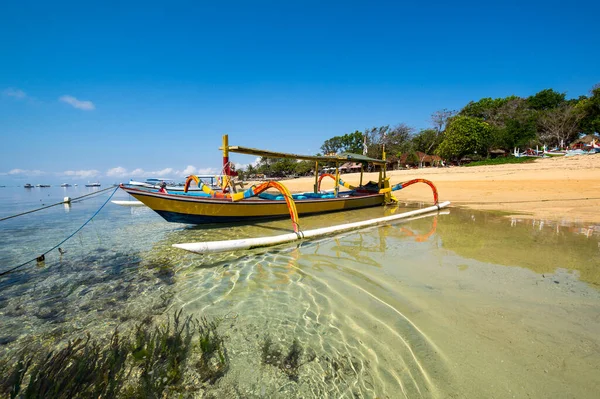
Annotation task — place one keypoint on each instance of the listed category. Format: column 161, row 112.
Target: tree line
column 545, row 118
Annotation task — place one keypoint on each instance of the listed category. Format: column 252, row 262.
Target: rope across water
column 58, row 203
column 63, row 241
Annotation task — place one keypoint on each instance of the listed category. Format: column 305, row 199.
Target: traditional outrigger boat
column 254, row 204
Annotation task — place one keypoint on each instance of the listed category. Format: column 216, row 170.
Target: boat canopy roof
column 350, row 157
column 339, row 158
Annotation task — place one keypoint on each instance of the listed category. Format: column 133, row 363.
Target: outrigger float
column 228, row 205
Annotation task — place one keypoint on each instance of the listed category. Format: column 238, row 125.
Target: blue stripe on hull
column 202, row 219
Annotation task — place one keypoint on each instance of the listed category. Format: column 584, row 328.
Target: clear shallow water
column 465, row 304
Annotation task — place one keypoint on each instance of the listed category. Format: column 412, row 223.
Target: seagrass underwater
column 464, row 303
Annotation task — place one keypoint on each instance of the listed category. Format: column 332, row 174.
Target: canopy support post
column 362, row 168
column 316, row 187
column 337, row 179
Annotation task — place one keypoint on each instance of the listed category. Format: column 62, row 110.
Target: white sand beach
column 561, row 188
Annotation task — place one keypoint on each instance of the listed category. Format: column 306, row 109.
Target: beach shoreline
column 565, row 189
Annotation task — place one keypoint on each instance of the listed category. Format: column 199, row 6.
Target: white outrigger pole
column 259, row 242
column 128, row 203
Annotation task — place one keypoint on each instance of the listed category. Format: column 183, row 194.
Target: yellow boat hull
column 201, row 210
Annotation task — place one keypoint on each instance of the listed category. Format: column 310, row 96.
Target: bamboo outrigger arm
column 259, row 242
column 256, row 190
column 400, row 186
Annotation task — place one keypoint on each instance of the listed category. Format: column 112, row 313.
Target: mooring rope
column 42, row 256
column 58, row 203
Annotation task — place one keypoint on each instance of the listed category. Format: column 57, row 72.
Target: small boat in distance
column 96, row 184
column 27, row 186
column 43, row 185
column 554, row 152
column 65, row 185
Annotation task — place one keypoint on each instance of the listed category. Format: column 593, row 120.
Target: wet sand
column 560, row 189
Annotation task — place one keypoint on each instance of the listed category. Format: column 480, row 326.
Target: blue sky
column 113, row 90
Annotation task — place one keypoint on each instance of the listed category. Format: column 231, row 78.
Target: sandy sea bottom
column 462, row 304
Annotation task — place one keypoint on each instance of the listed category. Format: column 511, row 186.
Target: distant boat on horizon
column 27, row 186
column 65, row 185
column 43, row 185
column 96, row 184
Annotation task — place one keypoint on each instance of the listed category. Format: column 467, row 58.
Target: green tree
column 350, row 142
column 512, row 121
column 440, row 118
column 396, row 139
column 519, row 131
column 546, row 99
column 590, row 109
column 332, row 145
column 264, row 166
column 375, row 137
column 283, row 166
column 464, row 135
column 487, row 108
column 514, row 124
column 353, row 142
column 304, row 167
column 560, row 125
column 492, row 110
column 427, row 141
column 250, row 170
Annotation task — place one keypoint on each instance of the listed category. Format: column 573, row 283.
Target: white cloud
column 244, row 166
column 166, row 173
column 79, row 104
column 16, row 93
column 190, row 170
column 84, row 174
column 117, row 172
column 23, row 172
column 138, row 172
column 208, row 171
column 120, row 171
column 162, row 173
